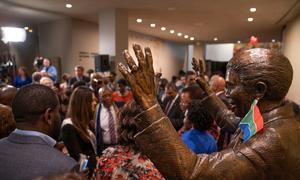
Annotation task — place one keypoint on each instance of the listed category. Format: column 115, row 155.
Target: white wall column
column 113, row 35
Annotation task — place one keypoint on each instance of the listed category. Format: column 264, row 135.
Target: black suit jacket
column 74, row 79
column 175, row 114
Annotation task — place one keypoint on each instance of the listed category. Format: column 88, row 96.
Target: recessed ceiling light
column 250, row 19
column 139, row 20
column 239, row 42
column 252, row 9
column 152, row 25
column 172, row 31
column 215, row 39
column 179, row 34
column 192, row 38
column 273, row 40
column 186, row 36
column 30, row 30
column 26, row 28
column 69, row 6
column 163, row 28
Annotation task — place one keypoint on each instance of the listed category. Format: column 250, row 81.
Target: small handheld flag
column 252, row 122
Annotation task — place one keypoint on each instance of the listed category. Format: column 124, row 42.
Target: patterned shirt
column 120, row 162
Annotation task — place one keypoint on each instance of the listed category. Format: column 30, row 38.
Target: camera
column 38, row 63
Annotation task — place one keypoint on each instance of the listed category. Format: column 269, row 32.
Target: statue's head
column 257, row 73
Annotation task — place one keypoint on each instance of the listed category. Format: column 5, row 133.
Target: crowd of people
column 86, row 126
column 96, row 115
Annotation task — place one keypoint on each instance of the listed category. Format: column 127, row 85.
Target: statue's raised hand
column 198, row 66
column 141, row 77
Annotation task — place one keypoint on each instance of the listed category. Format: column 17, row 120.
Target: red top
column 120, row 100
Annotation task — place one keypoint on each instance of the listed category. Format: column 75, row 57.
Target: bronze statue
column 273, row 153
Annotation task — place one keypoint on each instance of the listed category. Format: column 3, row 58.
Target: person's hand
column 85, row 173
column 198, row 66
column 140, row 77
column 61, row 147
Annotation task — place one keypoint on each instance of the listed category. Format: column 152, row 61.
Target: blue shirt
column 19, row 82
column 199, row 141
column 51, row 70
column 49, row 140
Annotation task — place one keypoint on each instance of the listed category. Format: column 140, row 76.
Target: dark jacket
column 28, row 157
column 74, row 79
column 175, row 114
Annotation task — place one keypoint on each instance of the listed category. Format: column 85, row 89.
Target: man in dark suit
column 28, row 152
column 79, row 76
column 171, row 106
column 217, row 84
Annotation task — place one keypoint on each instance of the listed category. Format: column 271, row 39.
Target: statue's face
column 236, row 91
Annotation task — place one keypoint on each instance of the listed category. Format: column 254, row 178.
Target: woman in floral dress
column 125, row 161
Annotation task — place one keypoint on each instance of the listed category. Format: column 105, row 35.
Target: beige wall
column 168, row 57
column 65, row 39
column 55, row 41
column 291, row 44
column 85, row 38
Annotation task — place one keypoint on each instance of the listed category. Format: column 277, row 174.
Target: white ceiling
column 203, row 19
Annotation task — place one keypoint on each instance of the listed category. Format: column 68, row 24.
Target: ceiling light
column 252, row 9
column 239, row 42
column 69, row 6
column 13, row 34
column 172, row 31
column 192, row 38
column 30, row 30
column 215, row 39
column 152, row 25
column 186, row 36
column 26, row 28
column 250, row 19
column 139, row 20
column 163, row 28
column 273, row 40
column 179, row 34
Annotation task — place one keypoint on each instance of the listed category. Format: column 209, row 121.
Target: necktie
column 112, row 129
column 167, row 109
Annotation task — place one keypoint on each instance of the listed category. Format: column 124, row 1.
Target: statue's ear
column 260, row 89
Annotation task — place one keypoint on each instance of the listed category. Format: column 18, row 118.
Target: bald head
column 46, row 81
column 217, row 83
column 105, row 96
column 7, row 93
column 266, row 66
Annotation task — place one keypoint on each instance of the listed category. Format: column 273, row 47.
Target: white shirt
column 104, row 123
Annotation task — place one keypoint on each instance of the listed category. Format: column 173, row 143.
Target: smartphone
column 83, row 161
column 84, row 164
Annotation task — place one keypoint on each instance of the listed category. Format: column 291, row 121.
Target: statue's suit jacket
column 273, row 153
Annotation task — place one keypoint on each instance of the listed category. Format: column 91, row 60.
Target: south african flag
column 252, row 122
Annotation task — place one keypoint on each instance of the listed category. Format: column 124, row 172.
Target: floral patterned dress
column 120, row 162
